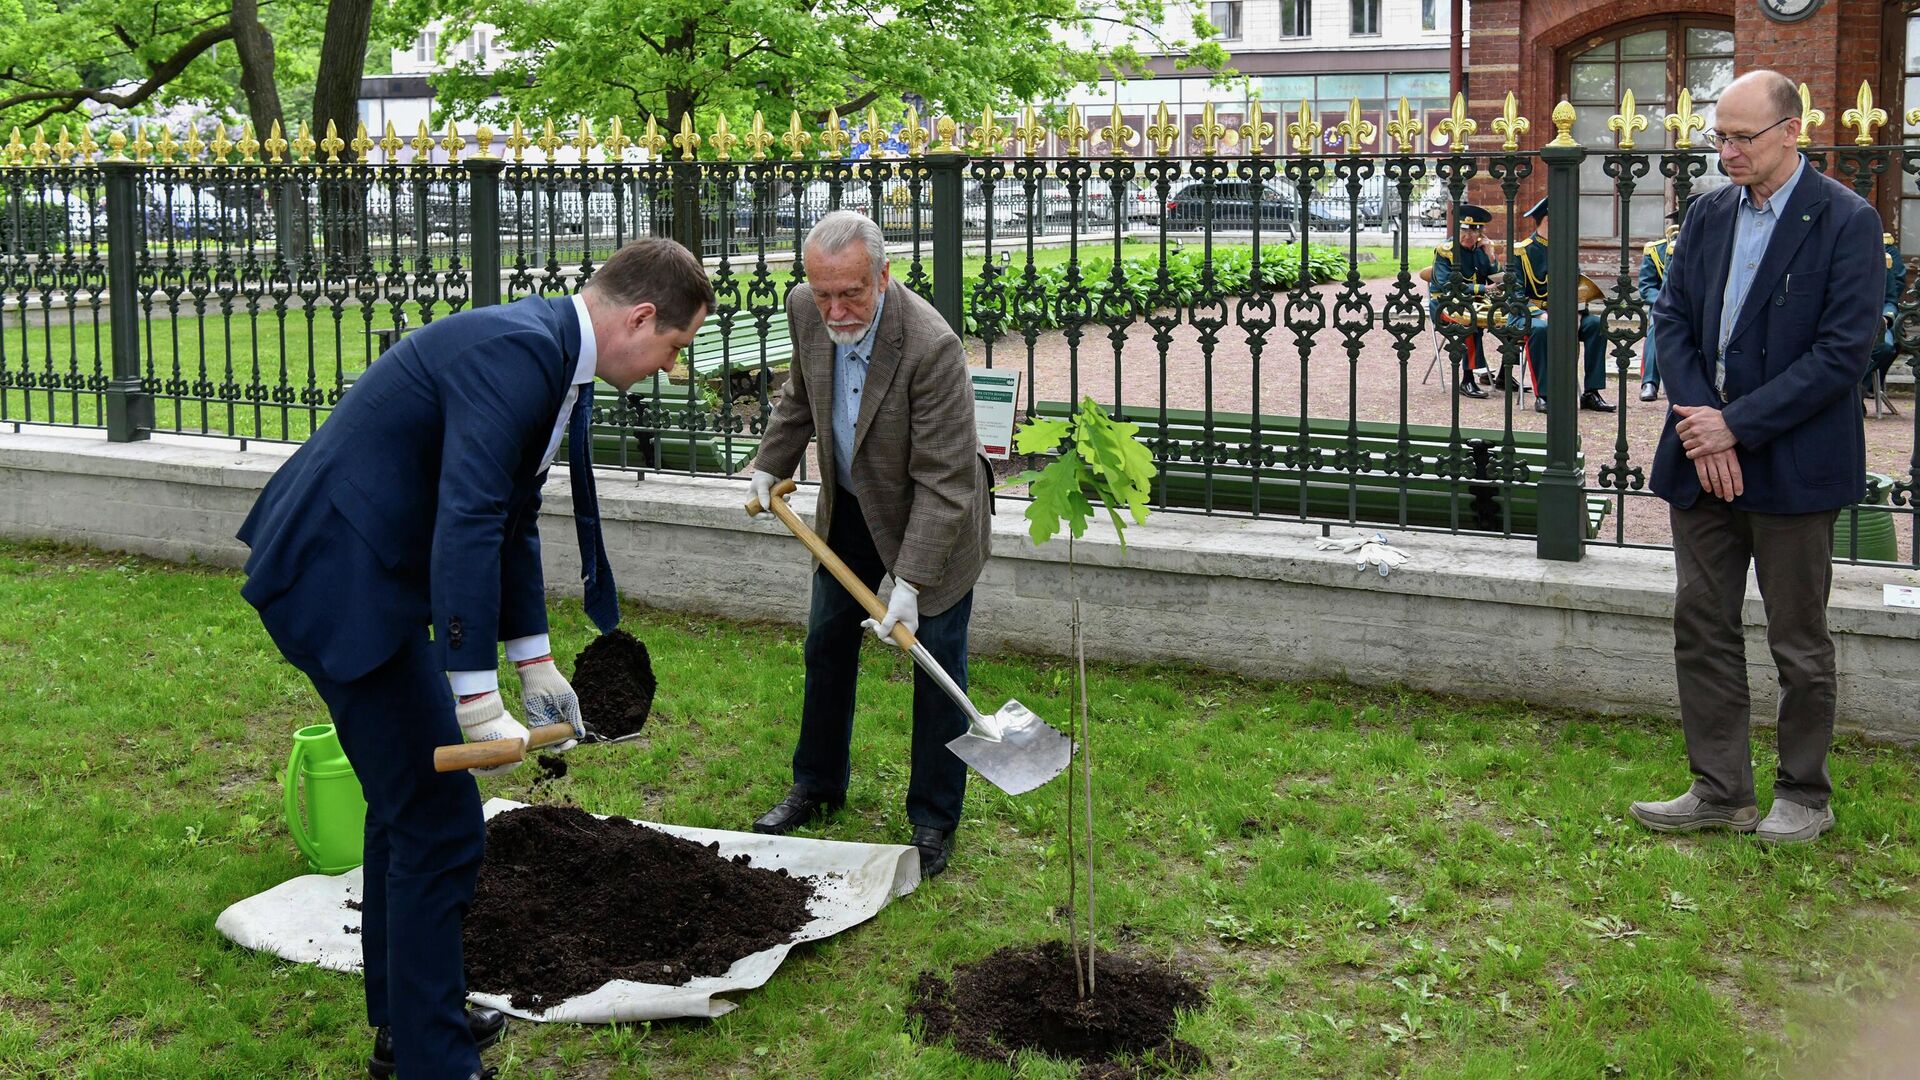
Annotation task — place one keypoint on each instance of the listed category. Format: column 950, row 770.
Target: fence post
column 944, row 169
column 129, row 406
column 483, row 205
column 1563, row 526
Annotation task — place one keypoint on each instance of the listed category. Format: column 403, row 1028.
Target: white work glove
column 549, row 699
column 903, row 608
column 1376, row 550
column 484, row 718
column 762, row 488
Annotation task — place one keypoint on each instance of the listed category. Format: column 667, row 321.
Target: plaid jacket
column 924, row 486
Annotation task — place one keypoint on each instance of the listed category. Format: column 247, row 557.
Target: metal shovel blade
column 1028, row 753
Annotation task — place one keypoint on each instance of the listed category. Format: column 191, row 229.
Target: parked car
column 1233, row 207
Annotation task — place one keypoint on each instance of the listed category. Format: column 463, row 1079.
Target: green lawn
column 1371, row 883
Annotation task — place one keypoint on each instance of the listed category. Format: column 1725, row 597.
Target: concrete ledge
column 1465, row 615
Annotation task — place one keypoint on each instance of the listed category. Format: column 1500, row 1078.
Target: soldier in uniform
column 1530, row 260
column 1883, row 348
column 1653, row 274
column 1462, row 272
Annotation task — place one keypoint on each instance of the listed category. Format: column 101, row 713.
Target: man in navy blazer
column 415, row 506
column 1764, row 329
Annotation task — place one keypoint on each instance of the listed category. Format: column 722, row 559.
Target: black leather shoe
column 935, row 845
column 487, row 1025
column 1505, row 381
column 1593, row 402
column 1649, row 391
column 1539, row 404
column 798, row 808
column 1471, row 389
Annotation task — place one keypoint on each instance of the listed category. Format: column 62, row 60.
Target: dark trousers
column 822, row 761
column 1792, row 555
column 1593, row 349
column 424, row 842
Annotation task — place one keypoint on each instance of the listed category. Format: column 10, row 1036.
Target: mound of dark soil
column 1024, row 998
column 567, row 902
column 613, row 676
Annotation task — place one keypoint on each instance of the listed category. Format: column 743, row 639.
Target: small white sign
column 995, row 390
column 1902, row 595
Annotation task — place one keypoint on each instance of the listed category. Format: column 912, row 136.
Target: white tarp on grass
column 307, row 920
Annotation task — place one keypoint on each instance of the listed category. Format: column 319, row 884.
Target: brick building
column 1589, row 51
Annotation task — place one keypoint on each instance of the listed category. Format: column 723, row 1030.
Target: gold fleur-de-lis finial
column 1564, row 117
column 1864, row 117
column 1810, row 118
column 88, row 148
column 758, row 138
column 221, row 145
column 549, row 141
column 331, row 144
column 1913, row 117
column 1256, row 133
column 1073, row 134
column 163, row 148
column 517, row 141
column 1164, row 132
column 423, row 144
column 989, row 136
column 1116, row 134
column 834, row 138
column 194, row 148
column 617, row 142
column 1510, row 125
column 390, row 144
column 1211, row 132
column 651, row 140
column 483, row 142
column 143, row 146
column 1683, row 121
column 276, row 144
column 15, row 151
column 873, row 135
column 584, row 141
column 688, row 141
column 453, row 143
column 723, row 141
column 303, row 144
column 1404, row 128
column 40, row 151
column 1355, row 132
column 1030, row 133
column 1304, row 133
column 797, row 138
column 249, row 145
column 363, row 144
column 116, row 144
column 946, row 136
column 1625, row 122
column 915, row 136
column 1456, row 128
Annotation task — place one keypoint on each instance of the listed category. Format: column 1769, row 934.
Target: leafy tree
column 666, row 58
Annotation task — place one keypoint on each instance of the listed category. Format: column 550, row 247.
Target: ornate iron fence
column 1258, row 305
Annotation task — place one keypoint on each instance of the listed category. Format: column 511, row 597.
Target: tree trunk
column 254, row 42
column 343, row 55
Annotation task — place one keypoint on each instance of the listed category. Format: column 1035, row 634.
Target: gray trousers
column 1792, row 556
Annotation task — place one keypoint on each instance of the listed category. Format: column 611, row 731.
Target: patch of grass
column 1370, row 882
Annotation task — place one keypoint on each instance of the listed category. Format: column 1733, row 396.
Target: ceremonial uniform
column 1461, row 276
column 1883, row 348
column 1653, row 274
column 1530, row 263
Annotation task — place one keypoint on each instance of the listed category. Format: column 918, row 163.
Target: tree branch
column 158, row 76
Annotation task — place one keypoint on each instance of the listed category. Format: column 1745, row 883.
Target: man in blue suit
column 1764, row 328
column 415, row 506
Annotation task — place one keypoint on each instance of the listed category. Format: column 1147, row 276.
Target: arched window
column 1655, row 58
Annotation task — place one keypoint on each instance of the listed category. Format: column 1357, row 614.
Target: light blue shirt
column 1752, row 232
column 850, row 363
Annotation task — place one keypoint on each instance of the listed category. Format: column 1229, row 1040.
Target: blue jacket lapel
column 1796, row 222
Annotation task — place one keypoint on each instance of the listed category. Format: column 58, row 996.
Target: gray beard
column 848, row 337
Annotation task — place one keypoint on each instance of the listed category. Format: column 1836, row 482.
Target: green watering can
column 331, row 831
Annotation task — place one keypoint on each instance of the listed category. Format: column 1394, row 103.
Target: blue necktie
column 602, row 601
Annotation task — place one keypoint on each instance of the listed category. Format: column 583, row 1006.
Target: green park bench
column 1370, row 494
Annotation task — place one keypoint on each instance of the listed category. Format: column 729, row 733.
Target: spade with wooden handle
column 1014, row 749
column 496, row 752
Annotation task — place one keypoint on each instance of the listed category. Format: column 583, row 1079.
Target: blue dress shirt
column 1752, row 232
column 850, row 363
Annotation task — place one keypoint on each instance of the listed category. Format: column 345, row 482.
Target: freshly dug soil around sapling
column 613, row 676
column 1024, row 998
column 567, row 902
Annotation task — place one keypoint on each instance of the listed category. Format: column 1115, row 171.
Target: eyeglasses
column 1717, row 139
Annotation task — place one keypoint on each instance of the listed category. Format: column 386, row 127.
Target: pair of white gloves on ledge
column 1374, row 550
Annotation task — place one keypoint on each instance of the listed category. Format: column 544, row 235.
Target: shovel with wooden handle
column 1014, row 749
column 497, row 752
